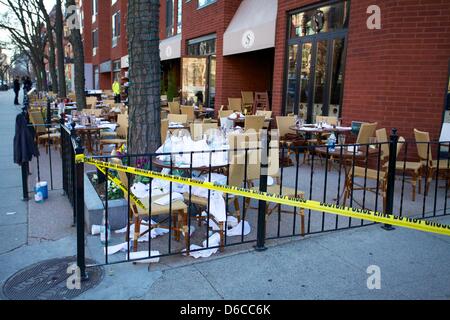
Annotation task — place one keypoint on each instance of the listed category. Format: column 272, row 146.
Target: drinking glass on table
column 341, row 139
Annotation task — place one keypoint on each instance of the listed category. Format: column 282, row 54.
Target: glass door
column 315, row 60
column 199, row 80
column 315, row 77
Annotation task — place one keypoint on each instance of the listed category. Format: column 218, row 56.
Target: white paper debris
column 123, row 247
column 155, row 232
column 214, row 241
column 144, row 254
column 237, row 230
column 95, row 229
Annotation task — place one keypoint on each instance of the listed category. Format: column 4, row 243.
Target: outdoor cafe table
column 87, row 132
column 347, row 158
column 203, row 169
column 241, row 120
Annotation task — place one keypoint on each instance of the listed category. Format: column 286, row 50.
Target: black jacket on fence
column 24, row 145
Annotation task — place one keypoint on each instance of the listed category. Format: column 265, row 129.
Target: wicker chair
column 122, row 134
column 235, row 104
column 429, row 166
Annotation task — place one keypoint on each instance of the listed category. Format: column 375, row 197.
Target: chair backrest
column 94, row 112
column 174, row 107
column 122, row 121
column 283, row 124
column 328, row 119
column 382, row 138
column 261, row 101
column 225, row 113
column 189, row 111
column 423, row 148
column 266, row 114
column 109, row 102
column 37, row 119
column 164, row 129
column 247, row 98
column 366, row 131
column 238, row 156
column 254, row 123
column 235, row 104
column 198, row 129
column 178, row 118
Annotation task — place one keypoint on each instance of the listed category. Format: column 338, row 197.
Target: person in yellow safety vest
column 116, row 91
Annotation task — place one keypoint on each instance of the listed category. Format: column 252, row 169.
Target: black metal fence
column 42, row 129
column 388, row 177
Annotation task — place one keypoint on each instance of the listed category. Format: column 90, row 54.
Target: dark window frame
column 299, row 40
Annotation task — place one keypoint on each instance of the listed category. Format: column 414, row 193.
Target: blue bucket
column 42, row 187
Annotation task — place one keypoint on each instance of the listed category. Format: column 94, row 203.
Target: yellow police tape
column 364, row 214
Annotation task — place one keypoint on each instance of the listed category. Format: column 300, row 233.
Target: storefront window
column 204, row 3
column 179, row 16
column 194, row 79
column 116, row 70
column 202, row 46
column 169, row 18
column 324, row 19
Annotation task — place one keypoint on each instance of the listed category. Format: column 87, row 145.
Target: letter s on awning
column 252, row 27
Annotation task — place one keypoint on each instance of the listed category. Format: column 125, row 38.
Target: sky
column 4, row 35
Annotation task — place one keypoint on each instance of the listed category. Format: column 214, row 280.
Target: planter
column 94, row 207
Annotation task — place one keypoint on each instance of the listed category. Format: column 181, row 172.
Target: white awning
column 252, row 28
column 170, row 48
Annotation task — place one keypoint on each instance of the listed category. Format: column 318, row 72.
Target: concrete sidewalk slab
column 13, row 237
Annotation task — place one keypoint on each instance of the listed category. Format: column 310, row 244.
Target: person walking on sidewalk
column 16, row 87
column 116, row 91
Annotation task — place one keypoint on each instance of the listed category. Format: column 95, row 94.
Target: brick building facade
column 396, row 75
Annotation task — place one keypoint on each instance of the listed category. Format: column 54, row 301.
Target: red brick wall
column 87, row 31
column 247, row 72
column 396, row 75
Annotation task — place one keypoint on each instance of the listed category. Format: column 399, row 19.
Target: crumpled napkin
column 164, row 201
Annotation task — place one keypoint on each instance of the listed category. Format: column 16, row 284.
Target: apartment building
column 313, row 57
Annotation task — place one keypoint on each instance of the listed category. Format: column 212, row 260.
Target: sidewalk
column 414, row 265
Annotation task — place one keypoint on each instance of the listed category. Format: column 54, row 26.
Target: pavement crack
column 207, row 280
column 13, row 249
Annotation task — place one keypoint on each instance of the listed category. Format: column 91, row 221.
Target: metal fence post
column 73, row 137
column 261, row 228
column 25, row 169
column 390, row 188
column 79, row 200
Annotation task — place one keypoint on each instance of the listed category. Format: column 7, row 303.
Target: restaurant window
column 316, row 61
column 116, row 70
column 94, row 10
column 115, row 28
column 204, row 3
column 96, row 78
column 95, row 38
column 179, row 16
column 199, row 72
column 169, row 17
column 203, row 46
column 328, row 18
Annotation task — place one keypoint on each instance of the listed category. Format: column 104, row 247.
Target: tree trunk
column 78, row 53
column 51, row 63
column 43, row 74
column 60, row 50
column 37, row 73
column 144, row 75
